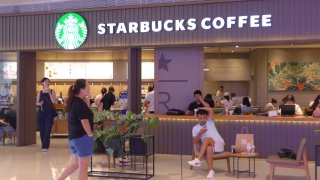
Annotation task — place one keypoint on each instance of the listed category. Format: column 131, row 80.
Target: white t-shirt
column 150, row 98
column 227, row 104
column 211, row 132
column 97, row 100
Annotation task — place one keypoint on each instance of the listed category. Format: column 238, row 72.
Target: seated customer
column 272, row 105
column 289, row 100
column 227, row 103
column 246, row 107
column 208, row 99
column 198, row 103
column 206, row 133
column 8, row 123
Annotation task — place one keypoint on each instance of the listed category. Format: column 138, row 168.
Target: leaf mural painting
column 294, row 76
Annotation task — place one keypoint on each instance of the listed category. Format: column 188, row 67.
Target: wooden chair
column 9, row 135
column 301, row 162
column 223, row 155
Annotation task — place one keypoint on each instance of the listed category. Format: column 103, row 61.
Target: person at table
column 220, row 92
column 246, row 106
column 208, row 99
column 227, row 103
column 97, row 100
column 7, row 122
column 314, row 108
column 108, row 99
column 289, row 100
column 271, row 105
column 198, row 103
column 206, row 133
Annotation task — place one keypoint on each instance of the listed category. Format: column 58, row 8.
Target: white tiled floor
column 29, row 163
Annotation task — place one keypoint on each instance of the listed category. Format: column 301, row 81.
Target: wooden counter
column 173, row 135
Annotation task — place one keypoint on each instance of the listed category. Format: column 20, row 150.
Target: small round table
column 237, row 156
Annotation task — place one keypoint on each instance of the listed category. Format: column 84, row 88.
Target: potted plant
column 139, row 143
column 113, row 130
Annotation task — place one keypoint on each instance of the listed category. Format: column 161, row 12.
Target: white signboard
column 77, row 70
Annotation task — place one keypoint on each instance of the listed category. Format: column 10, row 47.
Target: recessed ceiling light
column 232, row 51
column 206, row 69
column 237, row 46
column 291, row 44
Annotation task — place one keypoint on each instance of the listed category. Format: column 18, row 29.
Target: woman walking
column 46, row 99
column 80, row 126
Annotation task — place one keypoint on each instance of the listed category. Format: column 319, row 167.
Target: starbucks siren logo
column 71, row 31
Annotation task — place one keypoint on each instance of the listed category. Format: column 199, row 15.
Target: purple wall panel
column 269, row 135
column 178, row 74
column 293, row 21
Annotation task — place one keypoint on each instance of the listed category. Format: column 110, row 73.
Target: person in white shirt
column 227, row 104
column 289, row 100
column 97, row 100
column 149, row 100
column 272, row 105
column 206, row 133
column 220, row 92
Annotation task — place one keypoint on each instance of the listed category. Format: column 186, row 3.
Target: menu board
column 147, row 70
column 9, row 70
column 77, row 70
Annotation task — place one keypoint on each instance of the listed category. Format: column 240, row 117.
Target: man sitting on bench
column 206, row 133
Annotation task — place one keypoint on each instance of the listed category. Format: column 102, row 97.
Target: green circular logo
column 71, row 31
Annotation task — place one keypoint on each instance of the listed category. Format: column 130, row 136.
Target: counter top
column 243, row 118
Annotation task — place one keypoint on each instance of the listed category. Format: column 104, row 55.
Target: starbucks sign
column 71, row 31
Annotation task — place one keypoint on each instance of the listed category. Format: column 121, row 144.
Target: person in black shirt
column 208, row 99
column 80, row 126
column 108, row 99
column 198, row 103
column 8, row 123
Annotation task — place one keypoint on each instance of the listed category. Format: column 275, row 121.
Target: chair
column 301, row 162
column 9, row 135
column 223, row 155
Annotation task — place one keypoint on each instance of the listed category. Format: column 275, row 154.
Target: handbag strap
column 244, row 130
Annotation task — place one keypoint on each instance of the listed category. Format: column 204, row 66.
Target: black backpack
column 287, row 153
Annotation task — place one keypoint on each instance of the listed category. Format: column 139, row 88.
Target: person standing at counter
column 97, row 100
column 46, row 99
column 227, row 103
column 208, row 99
column 198, row 103
column 289, row 100
column 206, row 133
column 149, row 100
column 220, row 92
column 315, row 107
column 272, row 105
column 108, row 99
column 80, row 127
column 246, row 106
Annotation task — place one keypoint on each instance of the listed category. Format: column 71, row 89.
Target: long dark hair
column 74, row 90
column 245, row 101
column 315, row 102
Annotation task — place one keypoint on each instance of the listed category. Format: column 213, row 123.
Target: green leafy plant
column 113, row 130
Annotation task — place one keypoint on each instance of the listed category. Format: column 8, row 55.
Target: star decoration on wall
column 163, row 63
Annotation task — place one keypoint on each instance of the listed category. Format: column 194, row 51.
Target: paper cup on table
column 195, row 112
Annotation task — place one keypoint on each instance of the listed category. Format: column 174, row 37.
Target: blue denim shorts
column 82, row 147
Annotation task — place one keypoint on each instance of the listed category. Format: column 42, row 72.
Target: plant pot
column 138, row 146
column 99, row 148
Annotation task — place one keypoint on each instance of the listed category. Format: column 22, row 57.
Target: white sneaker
column 44, row 150
column 210, row 174
column 196, row 162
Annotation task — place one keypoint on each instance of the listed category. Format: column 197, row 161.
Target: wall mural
column 294, row 76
